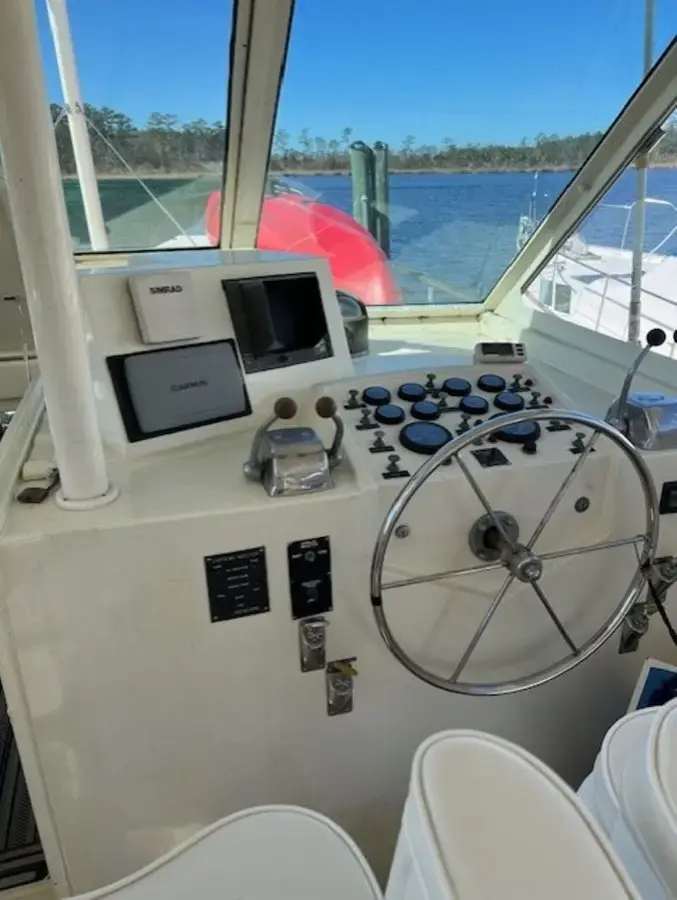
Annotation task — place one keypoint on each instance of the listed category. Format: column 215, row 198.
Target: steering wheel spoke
column 498, row 524
column 555, row 618
column 563, row 488
column 474, row 641
column 494, row 538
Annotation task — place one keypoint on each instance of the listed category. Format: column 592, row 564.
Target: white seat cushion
column 265, row 853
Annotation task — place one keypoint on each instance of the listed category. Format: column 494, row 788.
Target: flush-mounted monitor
column 165, row 391
column 279, row 320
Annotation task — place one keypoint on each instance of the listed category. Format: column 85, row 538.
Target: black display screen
column 498, row 349
column 164, row 391
column 278, row 320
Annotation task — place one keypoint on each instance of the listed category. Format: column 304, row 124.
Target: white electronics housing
column 186, row 344
column 165, row 307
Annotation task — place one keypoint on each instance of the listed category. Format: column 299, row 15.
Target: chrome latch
column 339, row 681
column 313, row 643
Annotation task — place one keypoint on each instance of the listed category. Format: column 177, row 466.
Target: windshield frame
column 650, row 104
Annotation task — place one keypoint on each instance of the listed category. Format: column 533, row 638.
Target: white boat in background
column 591, row 284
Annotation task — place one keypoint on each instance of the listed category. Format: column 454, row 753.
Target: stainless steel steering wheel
column 520, row 560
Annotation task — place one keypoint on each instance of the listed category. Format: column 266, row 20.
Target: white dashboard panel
column 113, row 329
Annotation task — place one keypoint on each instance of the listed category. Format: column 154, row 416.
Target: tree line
column 166, row 146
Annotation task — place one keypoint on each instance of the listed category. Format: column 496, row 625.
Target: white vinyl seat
column 264, row 853
column 632, row 791
column 485, row 819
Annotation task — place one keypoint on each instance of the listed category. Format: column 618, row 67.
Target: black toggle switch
column 353, row 402
column 557, row 425
column 578, row 444
column 430, row 383
column 366, row 422
column 529, row 447
column 393, row 468
column 535, row 402
column 379, row 445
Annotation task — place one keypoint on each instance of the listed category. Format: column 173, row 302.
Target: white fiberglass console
column 200, row 646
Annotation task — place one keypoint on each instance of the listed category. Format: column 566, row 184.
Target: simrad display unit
column 279, row 320
column 172, row 389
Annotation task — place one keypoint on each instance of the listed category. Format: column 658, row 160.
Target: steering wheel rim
column 601, row 636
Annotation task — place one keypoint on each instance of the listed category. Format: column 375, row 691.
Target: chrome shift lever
column 285, row 408
column 325, row 407
column 617, row 413
column 647, row 419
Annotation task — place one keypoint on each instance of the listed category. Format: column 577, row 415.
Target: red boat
column 297, row 223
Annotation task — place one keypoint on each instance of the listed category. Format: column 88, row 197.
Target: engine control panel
column 398, row 420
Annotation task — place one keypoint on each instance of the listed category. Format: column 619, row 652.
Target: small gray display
column 181, row 387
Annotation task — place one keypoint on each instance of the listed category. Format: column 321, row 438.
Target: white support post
column 642, row 163
column 38, row 210
column 77, row 122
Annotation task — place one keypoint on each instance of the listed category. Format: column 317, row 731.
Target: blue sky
column 476, row 71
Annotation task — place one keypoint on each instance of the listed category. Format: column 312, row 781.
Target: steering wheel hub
column 523, row 564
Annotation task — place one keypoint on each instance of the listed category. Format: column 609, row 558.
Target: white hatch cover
column 493, row 821
column 263, row 853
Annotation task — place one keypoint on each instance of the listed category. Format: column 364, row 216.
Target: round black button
column 389, row 414
column 376, row 396
column 509, row 402
column 457, row 387
column 474, row 405
column 521, row 433
column 411, row 392
column 424, row 437
column 425, row 410
column 492, row 384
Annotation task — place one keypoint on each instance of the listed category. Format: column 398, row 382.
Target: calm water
column 459, row 229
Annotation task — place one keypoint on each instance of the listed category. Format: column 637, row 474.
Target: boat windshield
column 151, row 86
column 416, row 152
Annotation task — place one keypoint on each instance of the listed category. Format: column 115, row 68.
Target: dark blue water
column 461, row 229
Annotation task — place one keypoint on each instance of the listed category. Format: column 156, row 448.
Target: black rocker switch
column 516, row 383
column 430, row 383
column 366, row 422
column 353, row 402
column 393, row 468
column 379, row 445
column 535, row 402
